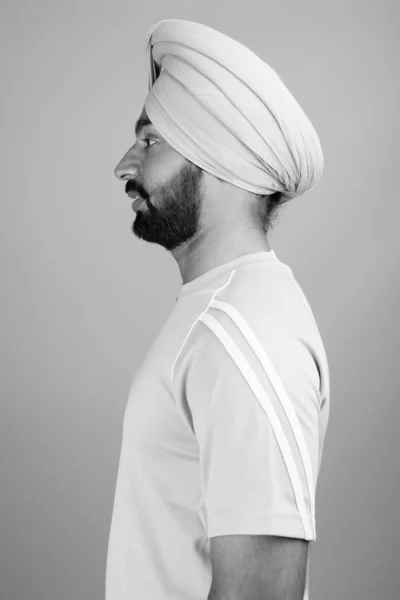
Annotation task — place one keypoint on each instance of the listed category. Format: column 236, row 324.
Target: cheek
column 160, row 167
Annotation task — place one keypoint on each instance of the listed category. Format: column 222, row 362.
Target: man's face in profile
column 169, row 184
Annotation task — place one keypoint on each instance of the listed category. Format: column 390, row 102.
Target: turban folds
column 224, row 109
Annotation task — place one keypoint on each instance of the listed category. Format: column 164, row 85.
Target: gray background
column 82, row 299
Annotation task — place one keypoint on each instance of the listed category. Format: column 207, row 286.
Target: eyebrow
column 141, row 123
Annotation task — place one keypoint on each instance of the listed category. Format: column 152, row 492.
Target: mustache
column 132, row 186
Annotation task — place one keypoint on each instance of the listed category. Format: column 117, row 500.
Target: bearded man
column 226, row 418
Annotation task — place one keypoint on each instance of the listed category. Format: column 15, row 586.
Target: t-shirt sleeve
column 252, row 400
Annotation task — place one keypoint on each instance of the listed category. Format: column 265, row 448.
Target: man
column 226, row 417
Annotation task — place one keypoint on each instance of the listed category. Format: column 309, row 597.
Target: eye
column 148, row 140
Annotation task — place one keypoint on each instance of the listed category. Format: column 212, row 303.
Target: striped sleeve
column 253, row 402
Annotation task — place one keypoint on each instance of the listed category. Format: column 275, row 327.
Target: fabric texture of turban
column 225, row 110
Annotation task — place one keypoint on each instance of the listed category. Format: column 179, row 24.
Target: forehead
column 142, row 122
column 143, row 114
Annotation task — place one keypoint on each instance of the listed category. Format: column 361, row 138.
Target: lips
column 138, row 202
column 133, row 194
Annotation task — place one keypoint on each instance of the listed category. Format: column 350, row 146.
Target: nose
column 129, row 165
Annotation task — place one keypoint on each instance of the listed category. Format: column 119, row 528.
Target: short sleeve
column 253, row 403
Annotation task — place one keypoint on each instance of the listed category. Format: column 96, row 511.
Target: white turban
column 225, row 110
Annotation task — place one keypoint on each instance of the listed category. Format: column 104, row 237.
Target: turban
column 225, row 110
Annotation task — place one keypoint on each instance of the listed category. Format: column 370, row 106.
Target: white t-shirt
column 223, row 430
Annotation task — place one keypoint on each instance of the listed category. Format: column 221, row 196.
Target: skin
column 258, row 567
column 203, row 221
